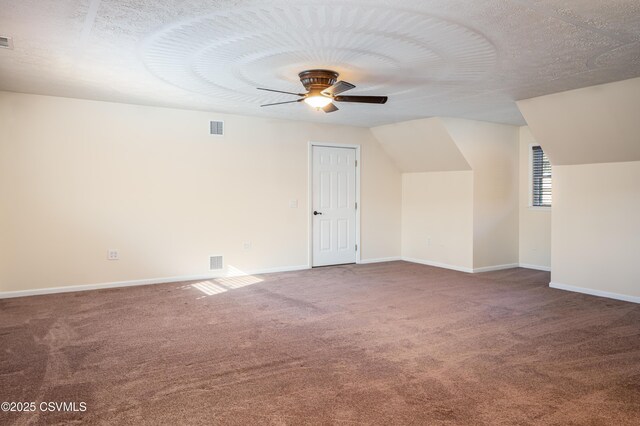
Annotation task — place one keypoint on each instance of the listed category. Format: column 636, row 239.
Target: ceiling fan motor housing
column 323, row 88
column 318, row 80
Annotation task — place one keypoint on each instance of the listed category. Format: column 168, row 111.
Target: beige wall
column 596, row 228
column 591, row 136
column 423, row 145
column 535, row 222
column 492, row 151
column 470, row 217
column 80, row 177
column 437, row 218
column 597, row 124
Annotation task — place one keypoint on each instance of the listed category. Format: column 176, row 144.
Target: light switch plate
column 293, row 204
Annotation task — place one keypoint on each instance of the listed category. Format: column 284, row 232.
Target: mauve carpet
column 389, row 343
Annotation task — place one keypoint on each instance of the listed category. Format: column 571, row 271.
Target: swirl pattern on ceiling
column 383, row 50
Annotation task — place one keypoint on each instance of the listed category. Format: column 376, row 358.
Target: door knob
column 316, row 213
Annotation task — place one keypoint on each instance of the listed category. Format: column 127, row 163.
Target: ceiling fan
column 323, row 89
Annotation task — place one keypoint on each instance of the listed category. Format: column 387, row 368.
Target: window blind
column 541, row 169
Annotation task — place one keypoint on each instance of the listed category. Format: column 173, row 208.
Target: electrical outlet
column 113, row 254
column 293, row 204
column 247, row 245
column 428, row 241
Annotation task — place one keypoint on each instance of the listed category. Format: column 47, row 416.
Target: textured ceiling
column 458, row 58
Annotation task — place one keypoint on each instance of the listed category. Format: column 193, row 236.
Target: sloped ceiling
column 455, row 58
column 420, row 146
column 599, row 124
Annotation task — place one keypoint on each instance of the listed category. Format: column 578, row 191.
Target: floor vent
column 6, row 42
column 215, row 263
column 216, row 128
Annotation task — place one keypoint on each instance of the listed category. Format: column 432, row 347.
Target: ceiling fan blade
column 362, row 99
column 339, row 87
column 280, row 103
column 280, row 91
column 330, row 108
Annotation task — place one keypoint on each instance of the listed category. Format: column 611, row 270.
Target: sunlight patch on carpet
column 234, row 279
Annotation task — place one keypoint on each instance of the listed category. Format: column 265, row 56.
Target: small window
column 540, row 178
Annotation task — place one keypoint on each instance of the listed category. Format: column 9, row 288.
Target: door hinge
column 356, row 163
column 356, row 247
column 356, row 205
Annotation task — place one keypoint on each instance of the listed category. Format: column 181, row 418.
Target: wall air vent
column 216, row 128
column 6, row 42
column 215, row 263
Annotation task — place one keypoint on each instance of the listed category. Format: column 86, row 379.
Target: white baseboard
column 593, row 292
column 495, row 267
column 461, row 268
column 380, row 260
column 537, row 267
column 438, row 264
column 275, row 270
column 149, row 281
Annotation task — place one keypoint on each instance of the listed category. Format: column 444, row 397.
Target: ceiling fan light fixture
column 323, row 91
column 317, row 101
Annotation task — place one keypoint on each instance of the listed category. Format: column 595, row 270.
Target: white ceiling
column 458, row 58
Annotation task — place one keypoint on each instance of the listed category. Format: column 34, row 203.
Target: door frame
column 310, row 196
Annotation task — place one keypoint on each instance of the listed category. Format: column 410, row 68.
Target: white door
column 334, row 205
